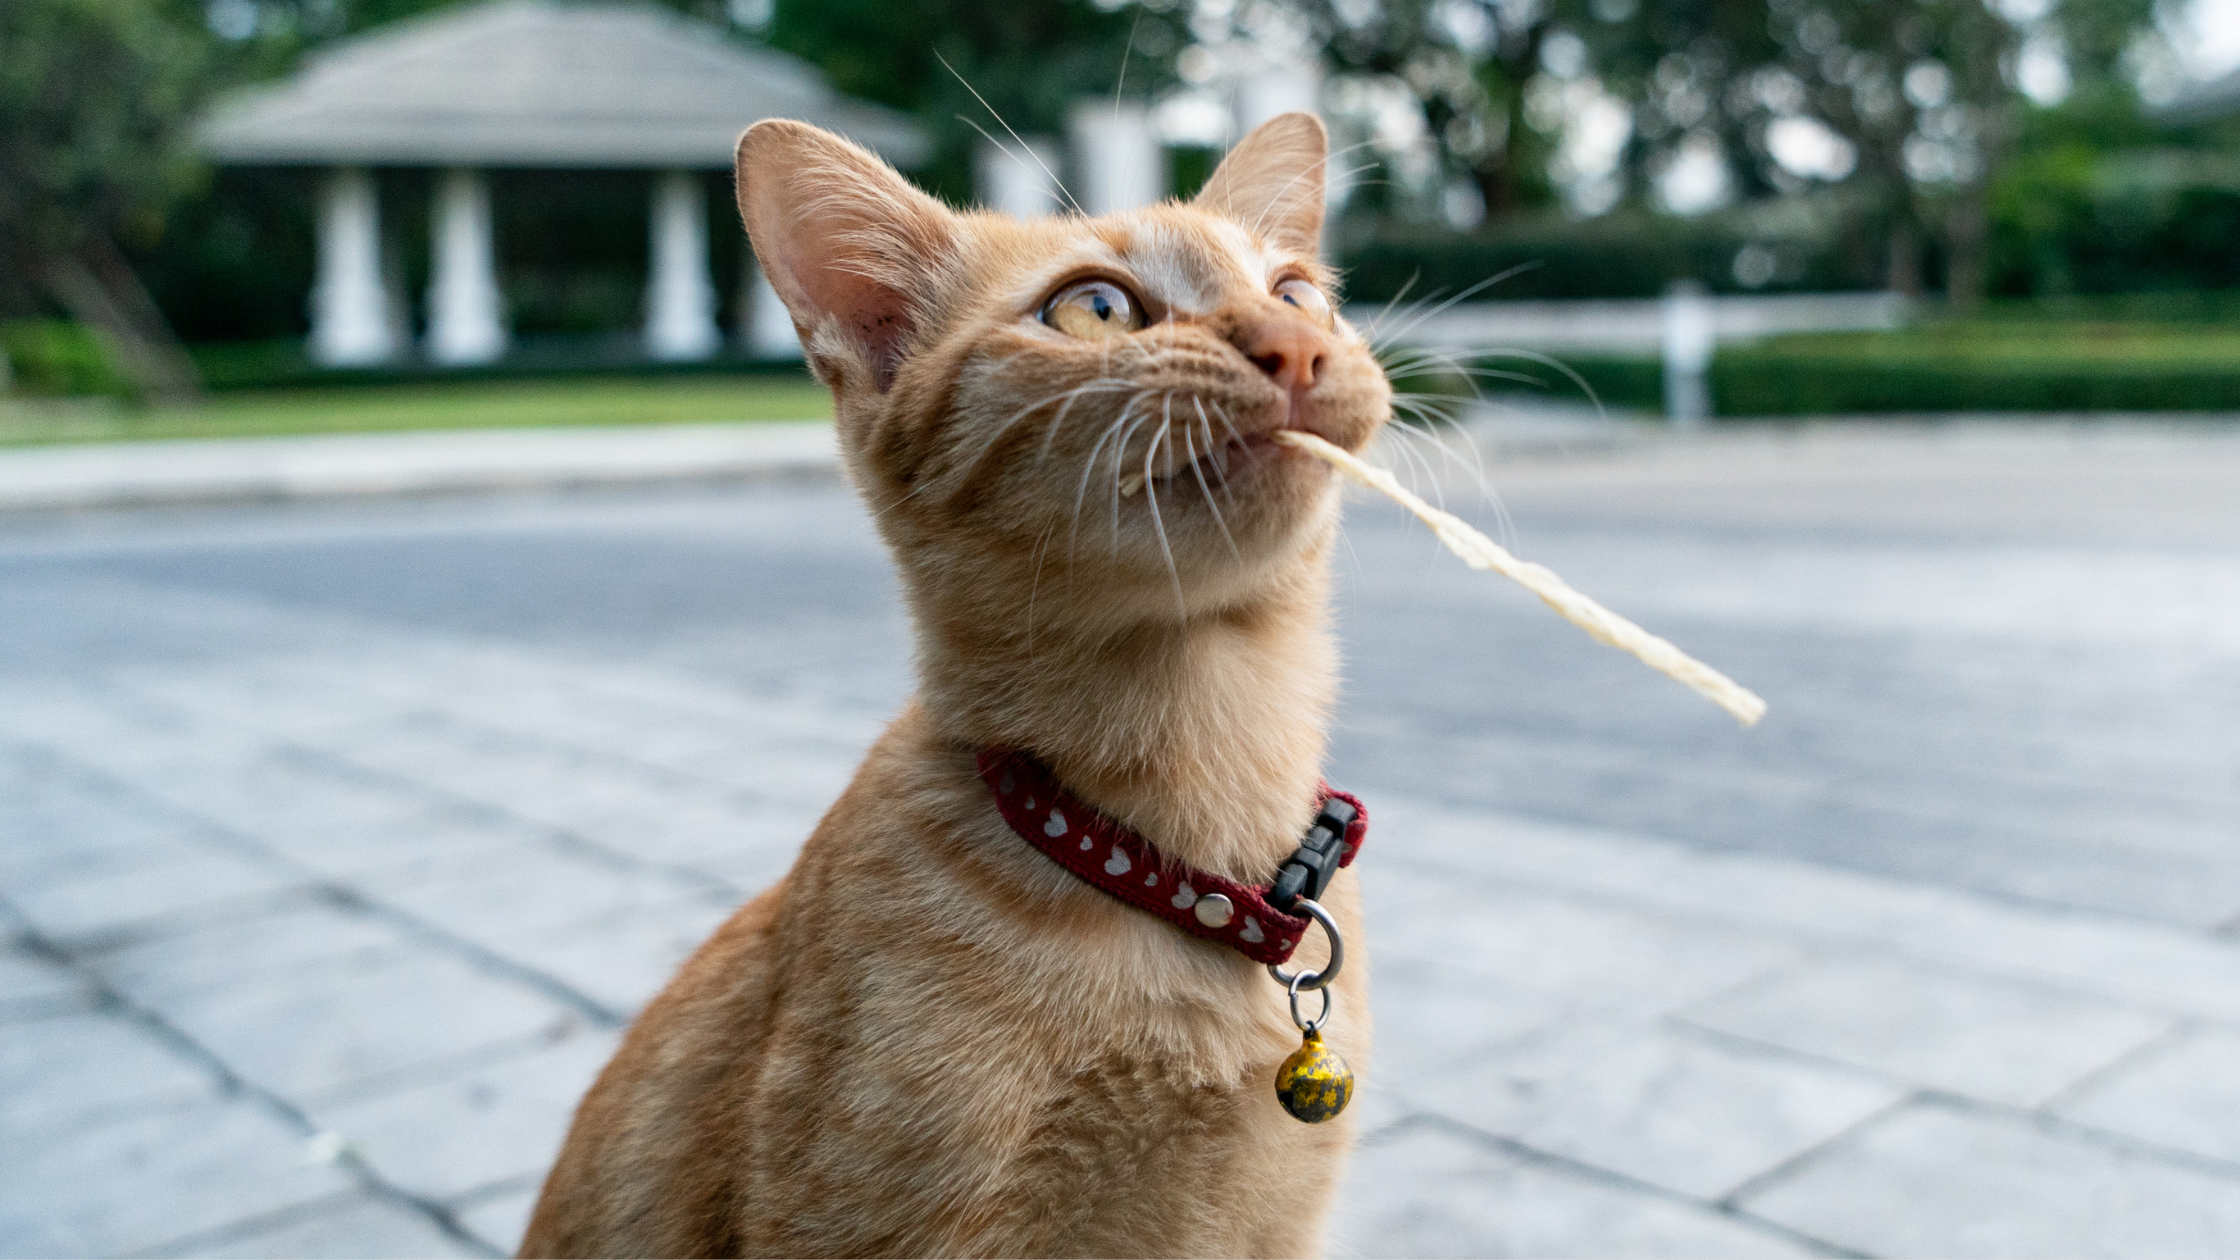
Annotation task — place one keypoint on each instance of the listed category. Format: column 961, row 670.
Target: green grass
column 477, row 405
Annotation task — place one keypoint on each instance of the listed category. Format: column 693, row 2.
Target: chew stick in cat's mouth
column 1481, row 552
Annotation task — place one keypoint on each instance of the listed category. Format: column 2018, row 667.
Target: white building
column 527, row 84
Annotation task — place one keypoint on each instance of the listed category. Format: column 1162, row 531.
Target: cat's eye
column 1093, row 310
column 1302, row 294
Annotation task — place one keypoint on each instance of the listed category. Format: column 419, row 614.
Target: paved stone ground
column 336, row 845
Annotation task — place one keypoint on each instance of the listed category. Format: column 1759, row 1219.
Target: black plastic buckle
column 1306, row 873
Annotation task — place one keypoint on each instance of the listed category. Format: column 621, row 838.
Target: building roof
column 538, row 83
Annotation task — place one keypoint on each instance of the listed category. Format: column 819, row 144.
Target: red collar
column 1126, row 866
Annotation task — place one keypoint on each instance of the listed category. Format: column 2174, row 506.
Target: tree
column 1025, row 62
column 1923, row 95
column 95, row 99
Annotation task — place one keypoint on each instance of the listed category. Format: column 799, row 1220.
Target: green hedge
column 1940, row 368
column 283, row 364
column 1783, row 383
column 55, row 358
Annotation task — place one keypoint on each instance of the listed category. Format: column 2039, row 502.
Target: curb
column 403, row 465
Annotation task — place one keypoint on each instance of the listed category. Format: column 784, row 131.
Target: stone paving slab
column 1447, row 1195
column 385, row 895
column 1633, row 1033
column 1654, row 1104
column 2009, row 1043
column 356, row 1226
column 134, row 1183
column 336, row 1028
column 82, row 1068
column 1935, row 1180
column 496, row 1125
column 2181, row 1093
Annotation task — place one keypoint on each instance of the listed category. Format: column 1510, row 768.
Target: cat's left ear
column 1271, row 183
column 848, row 244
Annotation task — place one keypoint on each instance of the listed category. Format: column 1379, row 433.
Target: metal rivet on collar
column 1215, row 910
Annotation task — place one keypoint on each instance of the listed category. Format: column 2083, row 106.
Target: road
column 359, row 830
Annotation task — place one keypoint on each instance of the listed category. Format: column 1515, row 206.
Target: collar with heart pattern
column 1128, row 867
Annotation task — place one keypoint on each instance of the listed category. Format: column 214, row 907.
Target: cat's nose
column 1290, row 350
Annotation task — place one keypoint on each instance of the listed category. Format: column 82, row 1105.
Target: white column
column 1280, row 84
column 1118, row 161
column 770, row 332
column 1689, row 338
column 350, row 317
column 1276, row 81
column 464, row 320
column 680, row 298
column 1018, row 180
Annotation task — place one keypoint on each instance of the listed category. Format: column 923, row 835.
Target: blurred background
column 207, row 200
column 430, row 603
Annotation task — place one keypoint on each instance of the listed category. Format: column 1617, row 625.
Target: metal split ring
column 1309, row 981
column 1316, row 1024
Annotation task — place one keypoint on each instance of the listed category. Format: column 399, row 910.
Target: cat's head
column 1096, row 392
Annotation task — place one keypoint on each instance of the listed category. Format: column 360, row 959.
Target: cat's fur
column 929, row 1039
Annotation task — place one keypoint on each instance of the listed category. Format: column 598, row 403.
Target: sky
column 2216, row 30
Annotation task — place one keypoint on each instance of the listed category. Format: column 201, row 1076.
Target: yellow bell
column 1314, row 1084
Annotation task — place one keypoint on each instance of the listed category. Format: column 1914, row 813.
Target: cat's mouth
column 1216, row 468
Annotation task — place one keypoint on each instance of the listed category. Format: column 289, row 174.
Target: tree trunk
column 1966, row 233
column 1904, row 275
column 98, row 288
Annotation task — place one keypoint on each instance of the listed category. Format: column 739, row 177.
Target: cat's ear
column 1272, row 182
column 848, row 244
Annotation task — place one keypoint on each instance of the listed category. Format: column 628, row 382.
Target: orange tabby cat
column 929, row 1039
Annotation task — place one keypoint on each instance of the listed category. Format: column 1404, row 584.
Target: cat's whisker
column 1414, row 461
column 1190, row 448
column 1088, row 470
column 1034, row 584
column 1479, row 287
column 1476, row 466
column 1423, row 427
column 1066, row 396
column 1159, row 526
column 1285, row 198
column 1380, row 341
column 1120, row 452
column 1054, row 180
column 1101, row 385
column 1418, row 360
column 1377, row 321
column 1066, row 399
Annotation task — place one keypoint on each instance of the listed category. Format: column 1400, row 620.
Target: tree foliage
column 95, row 97
column 1922, row 98
column 968, row 68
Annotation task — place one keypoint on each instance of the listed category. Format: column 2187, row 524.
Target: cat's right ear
column 846, row 241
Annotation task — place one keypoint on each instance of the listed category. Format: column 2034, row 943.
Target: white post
column 464, row 324
column 680, row 298
column 770, row 332
column 1284, row 84
column 350, row 318
column 1118, row 162
column 1689, row 337
column 1018, row 180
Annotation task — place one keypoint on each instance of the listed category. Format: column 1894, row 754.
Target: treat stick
column 1481, row 552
